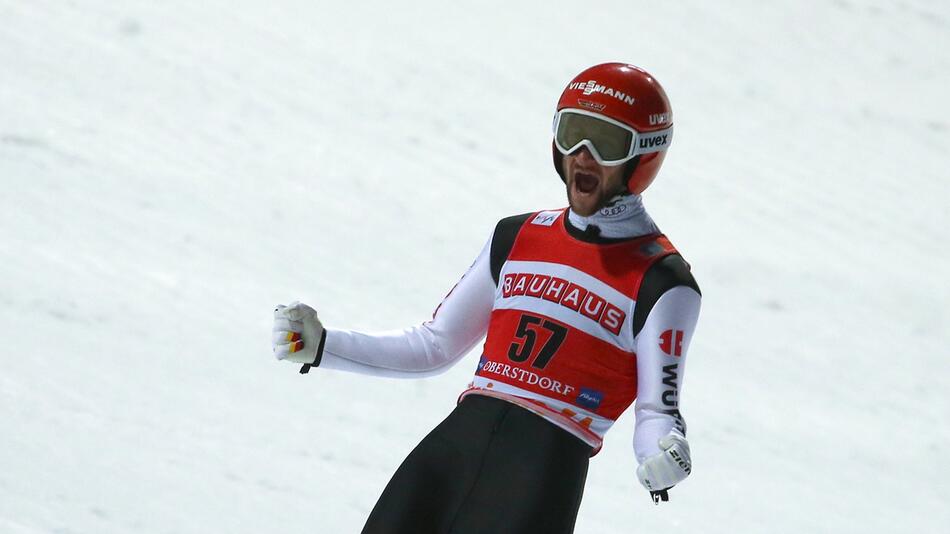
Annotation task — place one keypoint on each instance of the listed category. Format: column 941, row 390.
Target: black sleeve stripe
column 503, row 239
column 662, row 276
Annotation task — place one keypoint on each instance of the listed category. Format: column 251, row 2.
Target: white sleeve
column 661, row 359
column 457, row 325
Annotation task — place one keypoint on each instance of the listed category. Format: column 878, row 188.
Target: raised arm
column 457, row 325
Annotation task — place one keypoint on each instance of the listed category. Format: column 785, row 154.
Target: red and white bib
column 560, row 340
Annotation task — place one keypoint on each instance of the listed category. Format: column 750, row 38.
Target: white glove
column 297, row 333
column 664, row 470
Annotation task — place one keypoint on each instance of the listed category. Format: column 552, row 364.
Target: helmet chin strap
column 614, row 200
column 627, row 173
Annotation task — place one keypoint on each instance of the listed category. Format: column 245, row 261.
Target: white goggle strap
column 649, row 142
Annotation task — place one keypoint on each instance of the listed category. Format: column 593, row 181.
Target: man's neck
column 622, row 217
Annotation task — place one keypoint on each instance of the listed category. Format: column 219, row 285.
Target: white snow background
column 169, row 171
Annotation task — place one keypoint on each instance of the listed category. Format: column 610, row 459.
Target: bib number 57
column 526, row 337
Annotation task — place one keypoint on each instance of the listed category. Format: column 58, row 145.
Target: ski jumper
column 582, row 319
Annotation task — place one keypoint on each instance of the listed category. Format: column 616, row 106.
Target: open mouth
column 585, row 182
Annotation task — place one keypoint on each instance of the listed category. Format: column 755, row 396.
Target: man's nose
column 583, row 154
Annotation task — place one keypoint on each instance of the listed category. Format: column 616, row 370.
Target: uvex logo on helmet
column 591, row 86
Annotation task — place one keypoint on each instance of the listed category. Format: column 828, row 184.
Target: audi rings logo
column 613, row 211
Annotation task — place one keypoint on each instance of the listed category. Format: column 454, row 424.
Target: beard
column 588, row 202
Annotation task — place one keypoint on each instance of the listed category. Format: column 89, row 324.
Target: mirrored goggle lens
column 611, row 141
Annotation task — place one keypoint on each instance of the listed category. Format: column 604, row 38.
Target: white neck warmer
column 623, row 216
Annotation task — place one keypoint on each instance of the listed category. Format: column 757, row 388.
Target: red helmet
column 628, row 95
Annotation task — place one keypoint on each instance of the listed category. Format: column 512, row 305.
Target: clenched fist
column 298, row 333
column 661, row 471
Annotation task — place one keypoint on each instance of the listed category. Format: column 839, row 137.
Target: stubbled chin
column 584, row 204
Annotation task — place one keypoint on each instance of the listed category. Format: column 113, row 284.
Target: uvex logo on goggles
column 610, row 142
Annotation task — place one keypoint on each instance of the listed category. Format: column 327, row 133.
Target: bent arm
column 457, row 325
column 661, row 358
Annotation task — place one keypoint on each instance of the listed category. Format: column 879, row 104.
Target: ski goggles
column 610, row 142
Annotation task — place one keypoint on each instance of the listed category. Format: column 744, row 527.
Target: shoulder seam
column 503, row 239
column 664, row 274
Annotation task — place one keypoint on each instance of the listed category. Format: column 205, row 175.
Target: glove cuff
column 316, row 361
column 660, row 495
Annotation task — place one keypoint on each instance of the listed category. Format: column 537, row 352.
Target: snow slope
column 172, row 170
